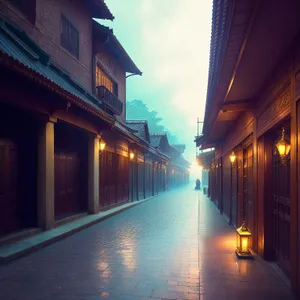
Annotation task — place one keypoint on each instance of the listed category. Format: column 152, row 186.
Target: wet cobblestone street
column 174, row 246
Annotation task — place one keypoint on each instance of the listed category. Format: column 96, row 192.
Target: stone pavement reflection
column 175, row 246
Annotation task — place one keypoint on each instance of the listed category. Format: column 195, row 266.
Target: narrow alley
column 174, row 246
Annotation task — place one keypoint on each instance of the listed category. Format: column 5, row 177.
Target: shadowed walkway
column 175, row 246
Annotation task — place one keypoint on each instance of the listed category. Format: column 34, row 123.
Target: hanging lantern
column 243, row 242
column 102, row 145
column 232, row 157
column 283, row 146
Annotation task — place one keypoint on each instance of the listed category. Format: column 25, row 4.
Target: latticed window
column 102, row 79
column 69, row 37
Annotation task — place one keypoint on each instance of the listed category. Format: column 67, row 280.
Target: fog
column 169, row 41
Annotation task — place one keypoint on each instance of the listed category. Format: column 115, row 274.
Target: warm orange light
column 243, row 242
column 232, row 157
column 131, row 155
column 102, row 145
column 283, row 146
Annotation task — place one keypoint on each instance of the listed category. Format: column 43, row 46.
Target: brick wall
column 46, row 32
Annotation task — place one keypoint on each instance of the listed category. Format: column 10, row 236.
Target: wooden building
column 62, row 98
column 253, row 93
column 175, row 173
column 150, row 162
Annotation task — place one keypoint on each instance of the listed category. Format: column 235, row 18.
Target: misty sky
column 169, row 41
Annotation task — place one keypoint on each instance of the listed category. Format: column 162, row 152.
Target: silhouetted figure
column 198, row 184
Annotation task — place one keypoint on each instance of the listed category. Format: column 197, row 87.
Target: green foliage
column 138, row 110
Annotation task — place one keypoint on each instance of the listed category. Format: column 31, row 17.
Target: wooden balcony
column 111, row 102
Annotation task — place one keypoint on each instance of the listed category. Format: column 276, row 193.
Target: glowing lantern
column 102, row 145
column 243, row 242
column 131, row 155
column 283, row 146
column 232, row 157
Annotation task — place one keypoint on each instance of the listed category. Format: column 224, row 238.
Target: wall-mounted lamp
column 232, row 157
column 283, row 146
column 102, row 145
column 131, row 155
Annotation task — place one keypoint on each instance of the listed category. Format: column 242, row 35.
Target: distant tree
column 138, row 110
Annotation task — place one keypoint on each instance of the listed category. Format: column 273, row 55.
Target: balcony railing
column 110, row 101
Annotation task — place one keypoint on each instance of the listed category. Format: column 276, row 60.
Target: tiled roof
column 140, row 127
column 129, row 132
column 179, row 147
column 220, row 17
column 115, row 48
column 16, row 45
column 156, row 138
column 99, row 9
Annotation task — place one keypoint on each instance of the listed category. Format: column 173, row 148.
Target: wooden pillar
column 93, row 174
column 46, row 174
column 255, row 199
column 260, row 195
column 294, row 206
column 296, row 217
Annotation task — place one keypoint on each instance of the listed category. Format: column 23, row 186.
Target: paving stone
column 175, row 246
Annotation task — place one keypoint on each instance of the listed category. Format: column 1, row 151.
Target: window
column 103, row 79
column 69, row 37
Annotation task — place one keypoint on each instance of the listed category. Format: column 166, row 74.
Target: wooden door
column 234, row 192
column 133, row 181
column 67, row 184
column 220, row 182
column 108, row 179
column 155, row 178
column 122, row 178
column 281, row 211
column 248, row 208
column 141, row 179
column 73, row 183
column 226, row 185
column 9, row 206
column 59, row 177
column 148, row 179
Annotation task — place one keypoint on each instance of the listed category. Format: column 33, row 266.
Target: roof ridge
column 158, row 134
column 136, row 121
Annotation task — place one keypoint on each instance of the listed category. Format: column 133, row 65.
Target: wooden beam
column 237, row 106
column 241, row 53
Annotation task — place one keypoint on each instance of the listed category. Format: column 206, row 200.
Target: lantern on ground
column 102, row 146
column 243, row 242
column 283, row 146
column 131, row 155
column 232, row 157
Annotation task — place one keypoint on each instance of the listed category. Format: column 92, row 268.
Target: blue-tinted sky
column 169, row 41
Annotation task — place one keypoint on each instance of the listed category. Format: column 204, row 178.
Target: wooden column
column 294, row 207
column 255, row 198
column 264, row 198
column 93, row 174
column 46, row 174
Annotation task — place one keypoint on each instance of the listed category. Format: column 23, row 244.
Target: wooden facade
column 51, row 166
column 246, row 114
